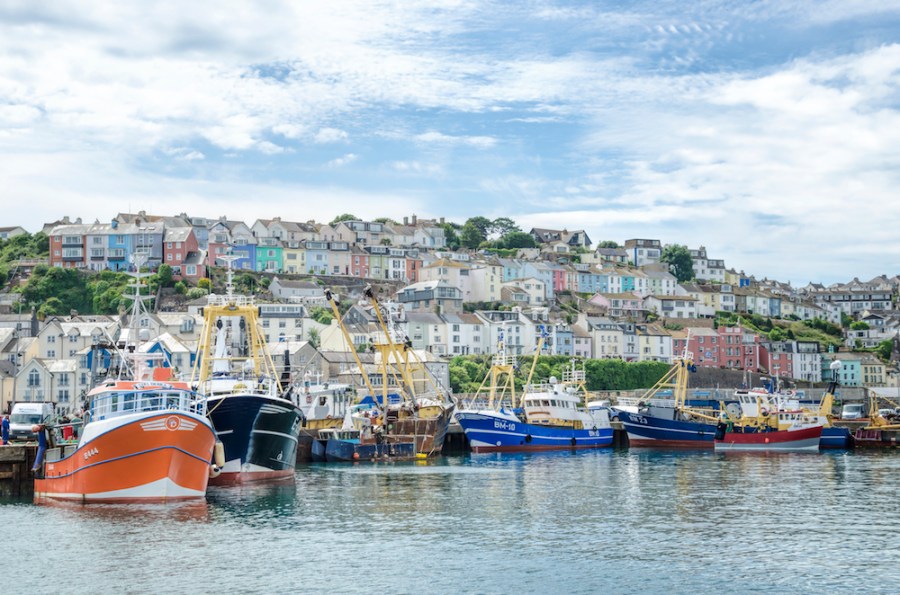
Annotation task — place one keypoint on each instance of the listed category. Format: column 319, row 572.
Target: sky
column 768, row 132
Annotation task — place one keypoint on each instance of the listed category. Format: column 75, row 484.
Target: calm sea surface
column 603, row 521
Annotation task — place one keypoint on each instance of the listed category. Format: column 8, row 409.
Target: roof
column 195, row 257
column 177, row 234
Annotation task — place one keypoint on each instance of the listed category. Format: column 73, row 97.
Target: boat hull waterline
column 806, row 439
column 494, row 432
column 645, row 430
column 259, row 435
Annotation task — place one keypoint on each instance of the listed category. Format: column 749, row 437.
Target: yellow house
column 294, row 258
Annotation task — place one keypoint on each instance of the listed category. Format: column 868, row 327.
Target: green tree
column 196, row 293
column 180, row 287
column 884, row 350
column 321, row 315
column 502, row 226
column 450, row 235
column 204, row 283
column 517, row 239
column 471, row 236
column 776, row 334
column 313, row 337
column 164, row 275
column 859, row 325
column 384, row 220
column 482, row 224
column 344, row 217
column 52, row 307
column 607, row 244
column 678, row 258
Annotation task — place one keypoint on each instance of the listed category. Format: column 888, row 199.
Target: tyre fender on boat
column 219, row 454
column 214, row 471
column 573, row 441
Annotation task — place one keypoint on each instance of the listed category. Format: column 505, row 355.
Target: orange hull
column 160, row 457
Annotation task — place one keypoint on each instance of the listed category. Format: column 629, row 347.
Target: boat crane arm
column 537, row 352
column 337, row 315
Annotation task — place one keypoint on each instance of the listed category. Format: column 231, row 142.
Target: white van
column 853, row 411
column 25, row 415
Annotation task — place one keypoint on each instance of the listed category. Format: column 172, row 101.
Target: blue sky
column 769, row 132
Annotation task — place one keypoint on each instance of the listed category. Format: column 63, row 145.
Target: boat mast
column 502, row 367
column 134, row 364
column 243, row 307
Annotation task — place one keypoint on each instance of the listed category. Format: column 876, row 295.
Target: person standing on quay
column 5, row 429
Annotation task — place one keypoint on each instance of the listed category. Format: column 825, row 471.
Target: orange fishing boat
column 145, row 438
column 142, row 441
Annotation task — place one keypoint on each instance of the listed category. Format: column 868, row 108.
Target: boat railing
column 228, row 300
column 125, row 403
column 503, row 359
column 482, row 403
column 637, row 401
column 573, row 376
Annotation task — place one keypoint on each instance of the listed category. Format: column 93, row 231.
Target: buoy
column 356, row 456
column 421, row 455
column 214, row 471
column 219, row 454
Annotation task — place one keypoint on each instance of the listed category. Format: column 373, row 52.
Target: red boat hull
column 806, row 439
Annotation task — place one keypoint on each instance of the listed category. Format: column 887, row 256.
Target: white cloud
column 342, row 161
column 794, row 151
column 481, row 142
column 330, row 135
column 417, row 168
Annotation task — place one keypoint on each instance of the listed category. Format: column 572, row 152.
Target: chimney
column 406, row 221
column 442, row 220
column 78, row 221
column 413, row 219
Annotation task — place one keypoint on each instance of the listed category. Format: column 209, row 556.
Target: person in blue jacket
column 4, row 432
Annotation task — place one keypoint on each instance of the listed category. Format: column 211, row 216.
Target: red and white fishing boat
column 145, row 439
column 763, row 440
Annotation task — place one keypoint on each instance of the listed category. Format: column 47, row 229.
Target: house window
column 34, row 379
column 51, row 339
column 63, row 396
column 63, row 380
column 51, row 353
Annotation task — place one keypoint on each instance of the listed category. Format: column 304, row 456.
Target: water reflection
column 640, row 520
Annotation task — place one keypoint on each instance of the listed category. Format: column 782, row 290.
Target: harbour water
column 596, row 521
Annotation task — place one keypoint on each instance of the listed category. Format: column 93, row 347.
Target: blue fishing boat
column 665, row 426
column 350, row 446
column 669, row 422
column 552, row 416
